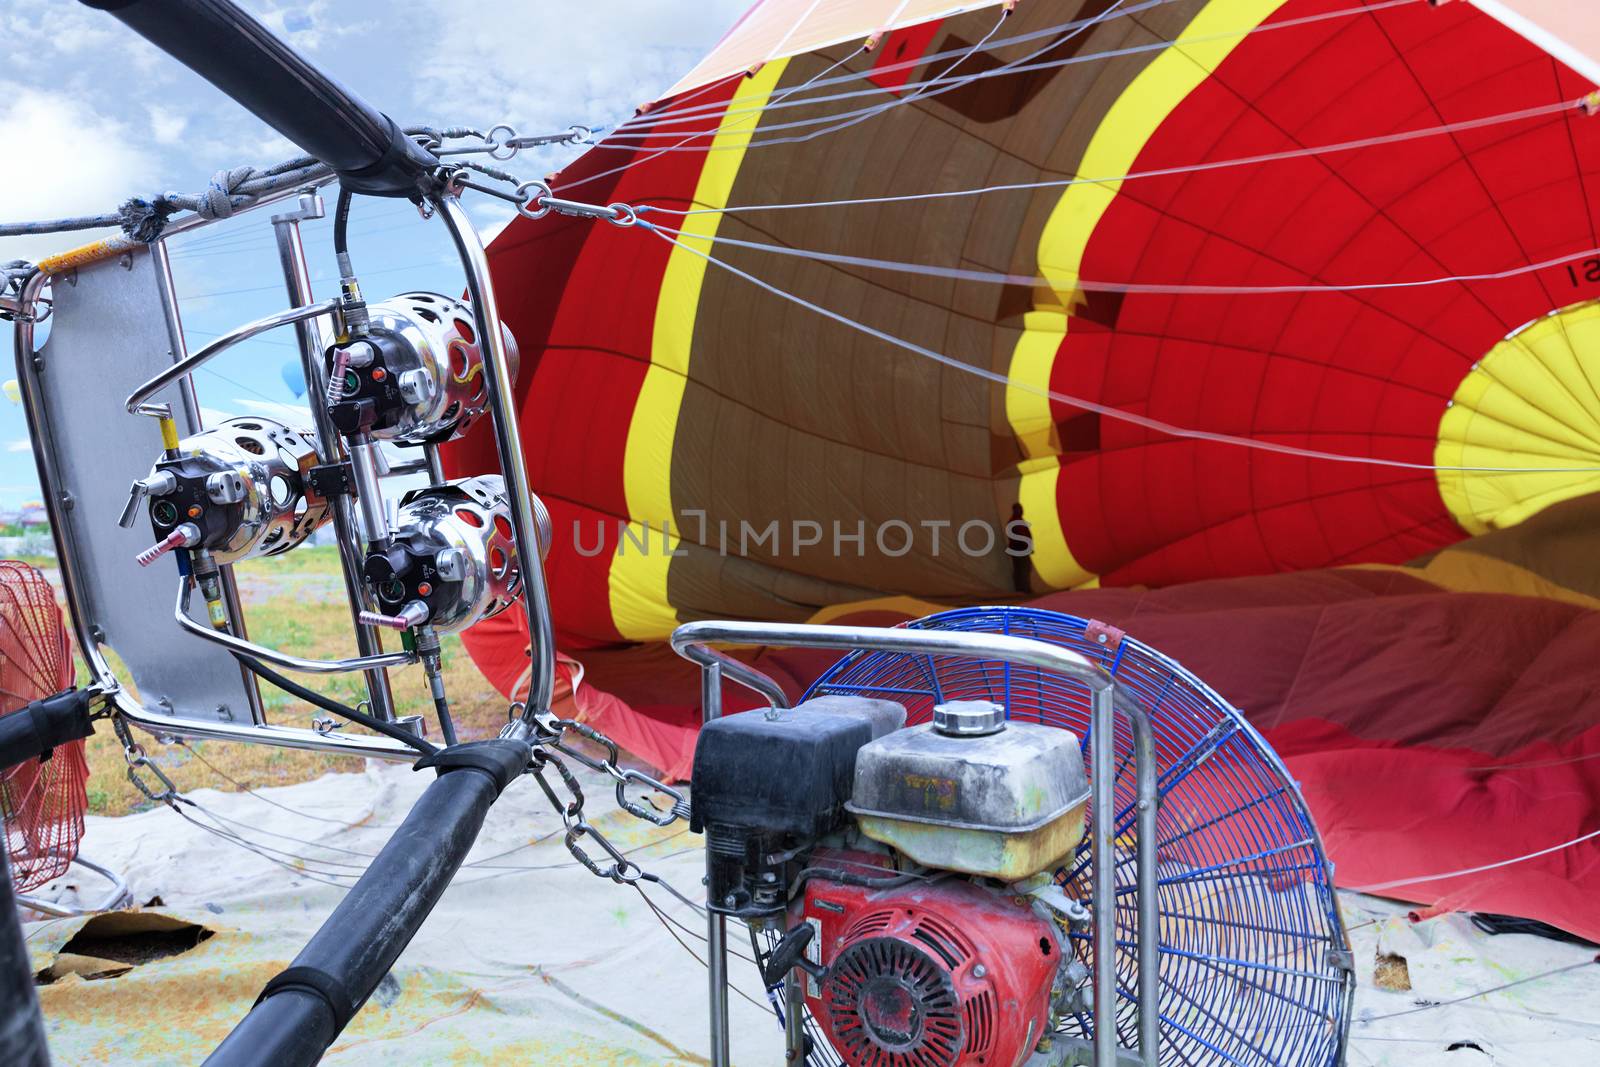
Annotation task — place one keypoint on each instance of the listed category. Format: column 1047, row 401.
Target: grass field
column 295, row 604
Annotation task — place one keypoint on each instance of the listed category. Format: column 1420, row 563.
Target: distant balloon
column 294, row 376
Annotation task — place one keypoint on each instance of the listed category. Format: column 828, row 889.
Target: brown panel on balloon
column 989, row 99
column 790, row 417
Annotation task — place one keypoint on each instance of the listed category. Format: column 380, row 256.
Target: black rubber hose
column 38, row 727
column 311, row 696
column 447, row 725
column 341, row 224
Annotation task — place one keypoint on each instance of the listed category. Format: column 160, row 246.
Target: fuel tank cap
column 969, row 718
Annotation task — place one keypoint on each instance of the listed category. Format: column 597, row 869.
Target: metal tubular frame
column 297, row 280
column 187, row 366
column 280, row 659
column 508, row 443
column 162, row 261
column 693, row 641
column 114, row 898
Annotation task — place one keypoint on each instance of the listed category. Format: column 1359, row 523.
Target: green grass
column 312, row 624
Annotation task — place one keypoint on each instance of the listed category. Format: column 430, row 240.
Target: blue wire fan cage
column 1255, row 963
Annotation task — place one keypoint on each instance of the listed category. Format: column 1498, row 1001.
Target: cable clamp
column 329, row 480
column 325, row 986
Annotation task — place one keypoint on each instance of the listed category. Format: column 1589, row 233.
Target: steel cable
column 1119, row 414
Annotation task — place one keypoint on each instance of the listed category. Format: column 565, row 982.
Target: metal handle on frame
column 508, row 443
column 273, row 656
column 693, row 641
column 194, row 362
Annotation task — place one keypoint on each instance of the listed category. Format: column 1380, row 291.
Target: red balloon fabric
column 1280, row 295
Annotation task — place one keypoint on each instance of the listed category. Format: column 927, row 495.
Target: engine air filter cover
column 1003, row 805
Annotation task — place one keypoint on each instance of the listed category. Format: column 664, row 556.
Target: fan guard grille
column 1252, row 942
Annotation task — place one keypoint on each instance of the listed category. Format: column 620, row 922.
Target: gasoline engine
column 908, row 870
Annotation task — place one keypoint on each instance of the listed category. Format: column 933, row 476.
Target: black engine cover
column 769, row 783
column 785, row 771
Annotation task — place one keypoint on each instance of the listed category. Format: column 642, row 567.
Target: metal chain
column 550, row 740
column 139, row 760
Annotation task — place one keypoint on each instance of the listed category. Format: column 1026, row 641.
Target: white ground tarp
column 530, row 959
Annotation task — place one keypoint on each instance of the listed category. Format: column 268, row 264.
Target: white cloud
column 167, row 125
column 309, row 26
column 82, row 163
column 36, row 36
column 21, row 444
column 502, row 61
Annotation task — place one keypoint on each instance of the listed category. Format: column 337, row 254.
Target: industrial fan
column 1254, row 961
column 42, row 800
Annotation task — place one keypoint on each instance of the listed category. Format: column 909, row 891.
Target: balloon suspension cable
column 534, row 201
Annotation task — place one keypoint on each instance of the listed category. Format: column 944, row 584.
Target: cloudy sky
column 96, row 115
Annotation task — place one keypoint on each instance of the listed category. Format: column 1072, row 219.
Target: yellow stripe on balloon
column 1116, row 145
column 640, row 609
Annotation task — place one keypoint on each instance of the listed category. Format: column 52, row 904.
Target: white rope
column 1155, row 425
column 675, row 116
column 1168, row 288
column 855, row 118
column 677, row 107
column 1115, row 11
column 1378, row 140
column 1445, row 875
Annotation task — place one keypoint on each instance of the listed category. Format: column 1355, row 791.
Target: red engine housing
column 941, row 974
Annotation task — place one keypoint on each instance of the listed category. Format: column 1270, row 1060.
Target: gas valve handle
column 413, row 614
column 137, row 492
column 158, row 484
column 341, row 364
column 184, row 536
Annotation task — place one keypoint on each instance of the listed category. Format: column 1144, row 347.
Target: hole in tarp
column 114, row 943
column 1391, row 973
column 1473, row 1045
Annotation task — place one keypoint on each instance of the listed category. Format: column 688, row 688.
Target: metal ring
column 454, row 179
column 580, row 134
column 514, row 712
column 541, row 190
column 496, row 145
column 622, row 215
